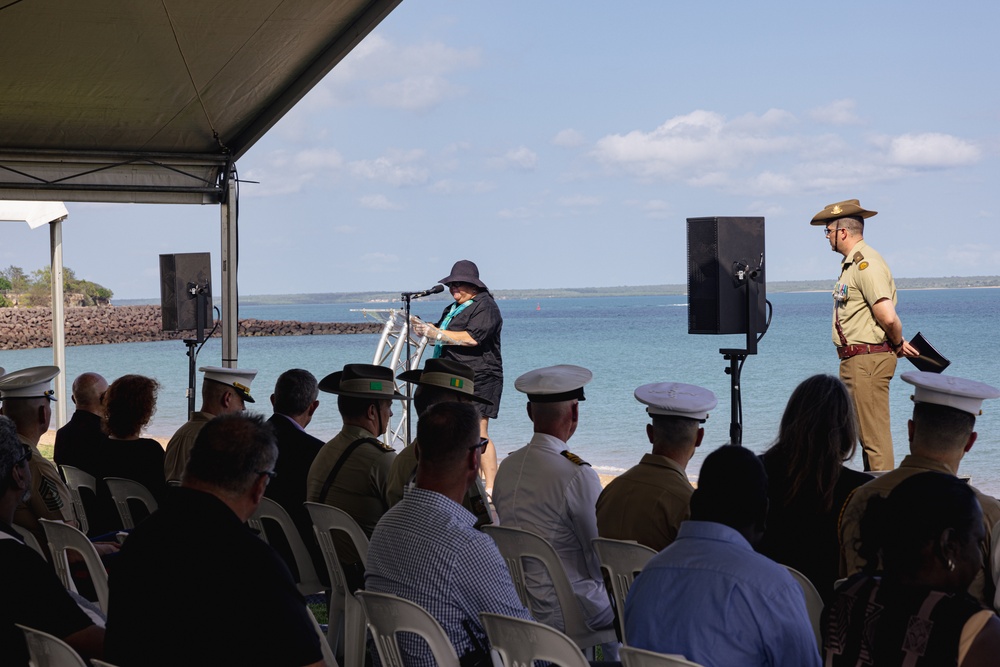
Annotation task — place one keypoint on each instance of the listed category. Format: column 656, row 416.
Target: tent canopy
column 153, row 100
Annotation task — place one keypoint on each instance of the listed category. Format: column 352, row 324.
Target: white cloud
column 568, row 138
column 283, row 172
column 697, row 147
column 520, row 213
column 576, row 201
column 379, row 258
column 931, row 150
column 345, row 229
column 397, row 168
column 379, row 203
column 520, row 158
column 451, row 187
column 384, row 73
column 838, row 112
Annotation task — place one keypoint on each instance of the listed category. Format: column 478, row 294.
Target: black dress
column 482, row 321
column 802, row 535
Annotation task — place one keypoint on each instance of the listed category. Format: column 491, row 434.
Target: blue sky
column 563, row 144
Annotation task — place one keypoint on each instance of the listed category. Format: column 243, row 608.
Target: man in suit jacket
column 295, row 401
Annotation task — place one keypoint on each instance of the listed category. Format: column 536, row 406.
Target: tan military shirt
column 864, row 279
column 404, row 467
column 982, row 587
column 180, row 445
column 49, row 497
column 360, row 486
column 647, row 503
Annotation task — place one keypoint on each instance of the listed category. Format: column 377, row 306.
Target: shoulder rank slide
column 574, row 458
column 858, row 256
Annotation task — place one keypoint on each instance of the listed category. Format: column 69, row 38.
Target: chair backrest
column 46, row 650
column 388, row 615
column 814, row 603
column 30, row 539
column 637, row 657
column 516, row 545
column 623, row 561
column 61, row 537
column 75, row 478
column 329, row 660
column 308, row 581
column 346, row 628
column 520, row 642
column 122, row 490
column 100, row 663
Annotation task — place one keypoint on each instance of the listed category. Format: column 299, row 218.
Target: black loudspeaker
column 718, row 249
column 179, row 274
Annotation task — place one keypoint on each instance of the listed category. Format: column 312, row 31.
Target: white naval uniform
column 539, row 490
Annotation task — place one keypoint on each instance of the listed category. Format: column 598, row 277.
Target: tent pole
column 58, row 319
column 230, row 255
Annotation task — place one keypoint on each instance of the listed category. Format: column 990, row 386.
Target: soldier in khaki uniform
column 351, row 472
column 650, row 500
column 866, row 329
column 941, row 432
column 26, row 395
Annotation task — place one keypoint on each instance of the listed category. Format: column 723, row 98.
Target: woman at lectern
column 473, row 324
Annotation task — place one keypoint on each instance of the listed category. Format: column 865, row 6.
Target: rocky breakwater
column 25, row 328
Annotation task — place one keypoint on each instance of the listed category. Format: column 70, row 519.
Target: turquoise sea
column 625, row 342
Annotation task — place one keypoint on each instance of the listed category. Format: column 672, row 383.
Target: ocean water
column 626, row 342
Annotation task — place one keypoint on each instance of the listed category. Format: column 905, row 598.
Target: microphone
column 437, row 289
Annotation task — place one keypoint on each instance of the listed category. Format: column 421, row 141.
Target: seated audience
column 650, row 500
column 192, row 584
column 32, row 594
column 917, row 611
column 709, row 596
column 807, row 482
column 941, row 433
column 440, row 380
column 76, row 442
column 426, row 548
column 294, row 401
column 130, row 403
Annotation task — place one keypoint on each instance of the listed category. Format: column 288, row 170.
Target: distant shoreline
column 778, row 286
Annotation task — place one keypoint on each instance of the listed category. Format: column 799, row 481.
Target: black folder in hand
column 930, row 359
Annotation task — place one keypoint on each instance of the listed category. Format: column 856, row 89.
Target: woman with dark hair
column 472, row 326
column 130, row 403
column 807, row 481
column 927, row 535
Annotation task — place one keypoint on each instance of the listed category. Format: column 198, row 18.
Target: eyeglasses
column 271, row 474
column 827, row 232
column 483, row 442
column 26, row 457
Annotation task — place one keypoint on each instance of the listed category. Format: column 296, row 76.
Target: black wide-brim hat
column 362, row 381
column 464, row 271
column 453, row 376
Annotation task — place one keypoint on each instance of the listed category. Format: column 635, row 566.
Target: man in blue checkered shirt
column 426, row 548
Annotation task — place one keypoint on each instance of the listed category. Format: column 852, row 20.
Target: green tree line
column 35, row 289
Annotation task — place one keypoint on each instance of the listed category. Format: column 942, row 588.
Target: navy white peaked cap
column 676, row 399
column 237, row 378
column 34, row 382
column 554, row 384
column 954, row 392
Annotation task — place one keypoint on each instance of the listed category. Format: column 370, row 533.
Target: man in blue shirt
column 709, row 596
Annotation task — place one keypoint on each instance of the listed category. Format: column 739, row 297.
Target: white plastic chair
column 623, row 560
column 329, row 660
column 75, row 478
column 814, row 603
column 308, row 581
column 346, row 625
column 515, row 545
column 637, row 657
column 46, row 650
column 61, row 537
column 520, row 642
column 122, row 490
column 388, row 615
column 30, row 539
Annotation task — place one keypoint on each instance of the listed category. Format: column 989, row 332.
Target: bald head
column 88, row 390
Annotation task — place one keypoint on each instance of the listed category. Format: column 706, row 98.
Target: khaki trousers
column 867, row 378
